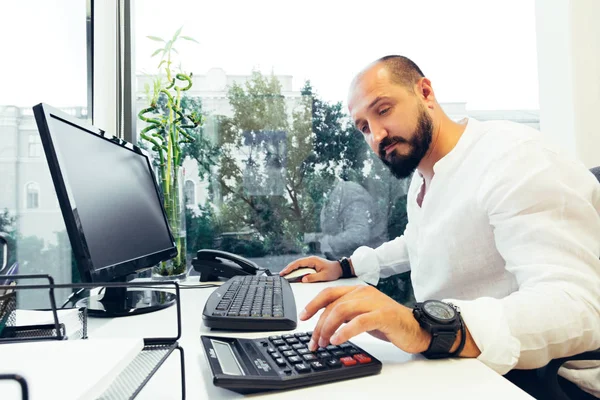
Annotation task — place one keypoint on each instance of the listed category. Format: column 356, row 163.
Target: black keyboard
column 282, row 362
column 262, row 303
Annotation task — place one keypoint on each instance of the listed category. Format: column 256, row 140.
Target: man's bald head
column 402, row 71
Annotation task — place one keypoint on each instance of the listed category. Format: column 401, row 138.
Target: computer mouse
column 297, row 274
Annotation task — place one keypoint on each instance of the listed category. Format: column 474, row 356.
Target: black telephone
column 214, row 264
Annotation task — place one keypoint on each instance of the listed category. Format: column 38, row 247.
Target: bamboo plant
column 166, row 134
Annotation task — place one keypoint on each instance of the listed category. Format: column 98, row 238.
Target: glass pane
column 46, row 47
column 279, row 170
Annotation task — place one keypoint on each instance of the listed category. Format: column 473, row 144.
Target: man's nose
column 379, row 133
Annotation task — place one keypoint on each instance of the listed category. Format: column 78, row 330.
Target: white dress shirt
column 509, row 231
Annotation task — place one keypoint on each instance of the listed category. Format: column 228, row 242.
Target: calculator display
column 227, row 360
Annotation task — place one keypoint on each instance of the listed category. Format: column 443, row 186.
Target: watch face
column 439, row 310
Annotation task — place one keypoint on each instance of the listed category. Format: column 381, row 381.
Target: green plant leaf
column 190, row 39
column 175, row 50
column 155, row 38
column 177, row 33
column 156, row 52
column 161, row 63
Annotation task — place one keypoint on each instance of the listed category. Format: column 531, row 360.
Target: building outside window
column 35, row 146
column 189, row 189
column 33, row 196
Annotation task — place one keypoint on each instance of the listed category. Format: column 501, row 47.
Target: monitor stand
column 121, row 302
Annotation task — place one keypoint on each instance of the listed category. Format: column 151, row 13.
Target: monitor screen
column 112, row 198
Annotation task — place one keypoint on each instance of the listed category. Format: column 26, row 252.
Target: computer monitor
column 112, row 208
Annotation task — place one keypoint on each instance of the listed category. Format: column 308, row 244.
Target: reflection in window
column 33, row 195
column 189, row 188
column 35, row 145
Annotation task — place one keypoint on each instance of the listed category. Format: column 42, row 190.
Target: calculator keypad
column 290, row 353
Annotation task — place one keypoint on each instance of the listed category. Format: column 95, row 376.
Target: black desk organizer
column 134, row 376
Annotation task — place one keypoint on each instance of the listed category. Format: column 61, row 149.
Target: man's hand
column 326, row 270
column 365, row 309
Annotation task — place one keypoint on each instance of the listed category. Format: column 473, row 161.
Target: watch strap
column 346, row 269
column 441, row 343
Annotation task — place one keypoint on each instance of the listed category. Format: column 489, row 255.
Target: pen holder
column 8, row 305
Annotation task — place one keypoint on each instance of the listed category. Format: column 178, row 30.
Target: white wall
column 568, row 43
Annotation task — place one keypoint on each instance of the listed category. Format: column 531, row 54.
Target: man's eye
column 384, row 111
column 364, row 129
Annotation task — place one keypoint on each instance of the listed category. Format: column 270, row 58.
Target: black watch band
column 441, row 343
column 346, row 269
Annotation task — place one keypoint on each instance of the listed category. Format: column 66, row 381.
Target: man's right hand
column 326, row 270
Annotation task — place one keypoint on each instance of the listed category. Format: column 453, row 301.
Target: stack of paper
column 68, row 369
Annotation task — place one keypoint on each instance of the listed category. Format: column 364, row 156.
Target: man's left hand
column 364, row 309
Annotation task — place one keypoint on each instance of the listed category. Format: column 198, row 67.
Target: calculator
column 282, row 362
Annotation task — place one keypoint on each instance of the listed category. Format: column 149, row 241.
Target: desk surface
column 411, row 376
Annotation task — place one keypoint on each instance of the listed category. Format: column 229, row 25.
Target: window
column 33, row 196
column 49, row 49
column 190, row 192
column 279, row 154
column 35, row 146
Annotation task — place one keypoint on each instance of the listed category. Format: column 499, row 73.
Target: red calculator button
column 348, row 361
column 361, row 358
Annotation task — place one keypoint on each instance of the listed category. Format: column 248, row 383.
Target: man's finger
column 343, row 311
column 292, row 266
column 362, row 323
column 323, row 299
column 316, row 277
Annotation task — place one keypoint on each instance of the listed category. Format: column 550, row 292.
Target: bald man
column 502, row 241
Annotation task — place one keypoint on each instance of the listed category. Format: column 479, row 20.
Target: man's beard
column 400, row 165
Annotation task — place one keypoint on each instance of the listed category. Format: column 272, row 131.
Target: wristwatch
column 346, row 269
column 443, row 321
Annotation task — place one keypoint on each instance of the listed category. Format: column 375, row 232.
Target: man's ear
column 425, row 92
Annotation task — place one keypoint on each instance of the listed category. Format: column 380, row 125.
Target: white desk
column 403, row 375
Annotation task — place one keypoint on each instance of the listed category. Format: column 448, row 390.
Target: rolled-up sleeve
column 386, row 260
column 545, row 216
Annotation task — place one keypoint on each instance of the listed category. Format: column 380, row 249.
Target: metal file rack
column 133, row 378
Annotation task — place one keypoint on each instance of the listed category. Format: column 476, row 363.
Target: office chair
column 549, row 374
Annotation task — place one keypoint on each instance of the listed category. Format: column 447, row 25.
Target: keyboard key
column 278, row 342
column 334, row 363
column 296, row 359
column 345, row 346
column 287, row 336
column 362, row 358
column 271, row 350
column 289, row 353
column 332, row 347
column 352, row 351
column 338, row 353
column 281, row 362
column 317, row 365
column 304, row 339
column 348, row 361
column 275, row 337
column 299, row 334
column 323, row 354
column 302, row 368
column 303, row 351
column 284, row 348
column 298, row 346
column 275, row 355
column 309, row 357
column 291, row 341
